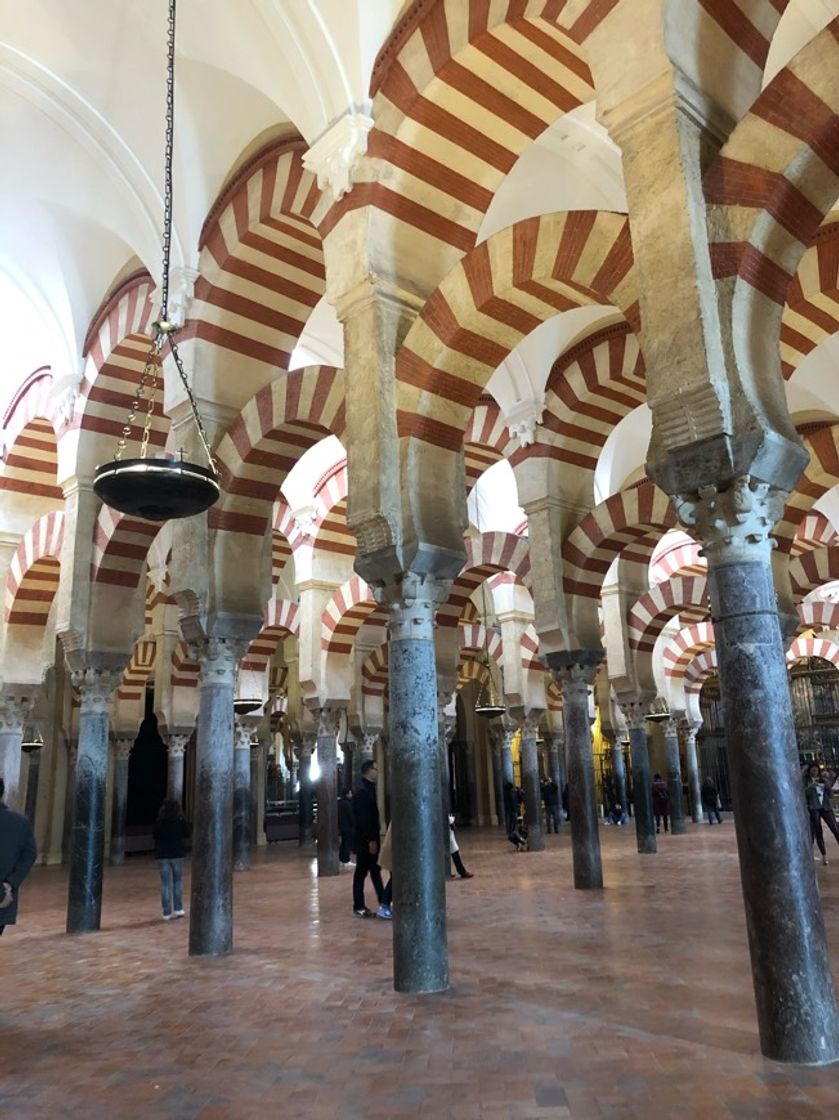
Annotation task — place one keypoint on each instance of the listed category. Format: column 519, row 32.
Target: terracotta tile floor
column 635, row 1002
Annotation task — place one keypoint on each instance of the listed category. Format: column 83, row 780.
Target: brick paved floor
column 632, row 1003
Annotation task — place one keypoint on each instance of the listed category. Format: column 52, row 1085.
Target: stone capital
column 217, row 659
column 635, row 712
column 528, row 720
column 671, row 726
column 95, row 687
column 412, row 602
column 15, row 709
column 241, row 735
column 178, row 743
column 329, row 722
column 368, row 744
column 122, row 747
column 733, row 524
column 574, row 671
column 523, row 419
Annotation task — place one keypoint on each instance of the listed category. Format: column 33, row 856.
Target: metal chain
column 151, row 371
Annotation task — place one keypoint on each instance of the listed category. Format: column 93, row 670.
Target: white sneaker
column 179, row 914
column 167, row 917
column 348, row 865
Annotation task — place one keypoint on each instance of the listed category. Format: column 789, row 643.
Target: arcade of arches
column 514, row 327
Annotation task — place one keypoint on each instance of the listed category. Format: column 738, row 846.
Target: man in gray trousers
column 18, row 852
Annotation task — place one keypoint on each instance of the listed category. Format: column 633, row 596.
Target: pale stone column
column 305, row 804
column 329, row 722
column 175, row 753
column 575, row 673
column 33, row 777
column 529, row 724
column 14, row 710
column 498, row 773
column 211, row 884
column 635, row 713
column 122, row 752
column 87, row 854
column 678, row 827
column 694, row 777
column 793, row 983
column 241, row 795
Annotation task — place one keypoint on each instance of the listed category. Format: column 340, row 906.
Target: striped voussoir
column 487, row 440
column 763, row 220
column 553, row 694
column 530, row 660
column 32, row 579
column 138, row 670
column 685, row 596
column 184, row 669
column 815, row 531
column 627, row 525
column 351, row 607
column 811, row 569
column 261, row 269
column 818, row 615
column 486, row 556
column 470, row 668
column 492, row 299
column 154, row 598
column 803, row 648
column 280, row 620
column 821, row 439
column 121, row 546
column 273, row 430
column 374, row 672
column 30, row 423
column 811, row 313
column 676, row 554
column 590, row 389
column 684, row 646
column 749, row 28
column 285, row 538
column 704, row 665
column 476, row 640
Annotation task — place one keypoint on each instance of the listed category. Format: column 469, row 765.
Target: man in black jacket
column 367, row 837
column 17, row 854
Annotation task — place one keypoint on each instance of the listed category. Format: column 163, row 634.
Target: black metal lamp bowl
column 245, row 706
column 156, row 489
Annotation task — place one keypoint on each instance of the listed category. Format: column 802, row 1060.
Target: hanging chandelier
column 167, row 487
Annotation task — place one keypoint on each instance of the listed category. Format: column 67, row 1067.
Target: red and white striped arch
column 291, row 414
column 676, row 554
column 704, row 665
column 815, row 531
column 686, row 596
column 138, row 670
column 476, row 640
column 821, row 439
column 817, row 615
column 590, row 389
column 629, row 524
column 184, row 669
column 374, row 672
column 331, row 533
column 32, row 579
column 347, row 611
column 492, row 299
column 813, row 647
column 810, row 570
column 284, row 538
column 31, row 425
column 811, row 313
column 120, row 547
column 280, row 620
column 261, row 268
column 684, row 646
column 486, row 441
column 486, row 556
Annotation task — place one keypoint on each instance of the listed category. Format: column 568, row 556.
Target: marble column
column 72, row 747
column 529, row 724
column 694, row 777
column 305, row 804
column 619, row 771
column 420, row 951
column 14, row 710
column 793, row 982
column 678, row 826
column 498, row 775
column 32, row 781
column 256, row 763
column 329, row 723
column 175, row 752
column 211, row 882
column 122, row 751
column 556, row 767
column 635, row 713
column 507, row 769
column 87, row 848
column 575, row 673
column 241, row 795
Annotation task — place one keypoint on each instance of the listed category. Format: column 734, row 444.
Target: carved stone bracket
column 734, row 524
column 95, row 687
column 334, row 156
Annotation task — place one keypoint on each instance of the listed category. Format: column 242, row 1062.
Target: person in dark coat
column 346, row 828
column 550, row 798
column 18, row 852
column 616, row 814
column 710, row 799
column 368, row 833
column 817, row 792
column 511, row 817
column 171, row 832
column 661, row 803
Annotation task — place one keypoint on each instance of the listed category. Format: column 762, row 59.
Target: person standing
column 367, row 839
column 454, row 852
column 710, row 800
column 511, row 817
column 171, row 832
column 346, row 827
column 550, row 797
column 661, row 803
column 817, row 792
column 18, row 852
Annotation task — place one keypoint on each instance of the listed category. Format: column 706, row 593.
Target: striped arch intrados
column 686, row 596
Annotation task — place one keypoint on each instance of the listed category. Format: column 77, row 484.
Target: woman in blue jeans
column 171, row 832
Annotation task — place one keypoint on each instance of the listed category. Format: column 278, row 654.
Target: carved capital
column 14, row 712
column 635, row 713
column 575, row 671
column 734, row 524
column 528, row 721
column 368, row 745
column 412, row 602
column 178, row 744
column 334, row 156
column 95, row 687
column 217, row 659
column 241, row 735
column 329, row 723
column 671, row 726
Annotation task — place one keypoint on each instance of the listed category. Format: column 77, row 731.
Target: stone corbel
column 522, row 420
column 334, row 156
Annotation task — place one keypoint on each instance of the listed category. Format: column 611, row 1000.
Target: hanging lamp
column 489, row 703
column 166, row 487
column 32, row 743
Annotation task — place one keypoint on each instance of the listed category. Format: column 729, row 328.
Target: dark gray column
column 508, row 773
column 32, row 781
column 175, row 752
column 678, row 825
column 87, row 850
column 793, row 982
column 575, row 673
column 635, row 713
column 257, row 755
column 304, row 794
column 420, row 951
column 241, row 795
column 14, row 709
column 619, row 770
column 329, row 722
column 694, row 777
column 211, row 882
column 122, row 750
column 556, row 765
column 72, row 747
column 529, row 724
column 498, row 775
column 445, row 728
